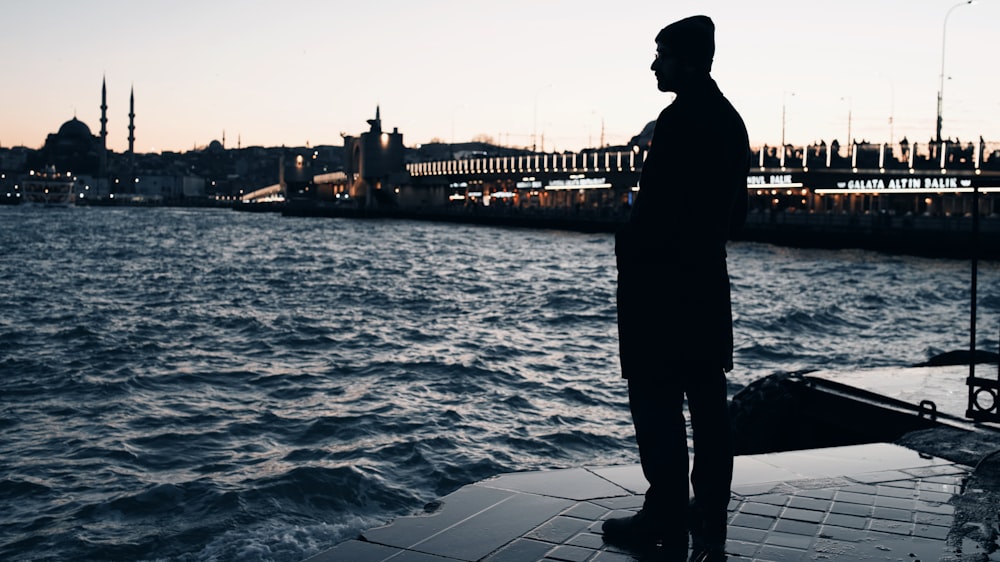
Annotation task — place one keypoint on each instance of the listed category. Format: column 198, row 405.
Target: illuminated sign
column 772, row 180
column 528, row 184
column 579, row 182
column 919, row 184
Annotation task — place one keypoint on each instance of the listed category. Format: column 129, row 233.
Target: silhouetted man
column 674, row 312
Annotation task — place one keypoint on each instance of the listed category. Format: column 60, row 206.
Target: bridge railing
column 576, row 162
column 947, row 155
column 860, row 155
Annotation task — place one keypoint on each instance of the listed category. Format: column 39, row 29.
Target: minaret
column 131, row 141
column 131, row 122
column 376, row 123
column 103, row 158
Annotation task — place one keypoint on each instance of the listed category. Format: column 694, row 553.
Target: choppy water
column 211, row 385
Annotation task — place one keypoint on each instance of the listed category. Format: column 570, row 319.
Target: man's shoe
column 639, row 530
column 704, row 548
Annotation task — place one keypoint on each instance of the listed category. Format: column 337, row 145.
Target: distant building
column 374, row 164
column 72, row 149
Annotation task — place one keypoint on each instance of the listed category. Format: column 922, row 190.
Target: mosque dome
column 215, row 147
column 75, row 129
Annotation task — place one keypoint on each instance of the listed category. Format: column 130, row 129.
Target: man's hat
column 691, row 40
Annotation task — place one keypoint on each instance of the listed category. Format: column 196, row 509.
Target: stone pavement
column 863, row 502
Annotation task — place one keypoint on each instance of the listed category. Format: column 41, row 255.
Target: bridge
column 818, row 178
column 916, row 196
column 908, row 198
column 380, row 173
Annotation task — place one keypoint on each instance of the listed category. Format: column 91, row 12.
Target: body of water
column 209, row 385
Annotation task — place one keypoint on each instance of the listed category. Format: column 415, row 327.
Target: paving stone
column 849, row 521
column 558, row 529
column 897, row 503
column 789, row 540
column 806, row 515
column 857, row 488
column 608, row 556
column 937, row 519
column 930, row 496
column 819, row 493
column 587, row 540
column 774, row 553
column 742, row 549
column 813, row 504
column 571, row 483
column 760, row 489
column 595, row 528
column 892, row 514
column 890, row 526
column 927, row 472
column 931, row 531
column 910, row 484
column 626, row 502
column 831, row 549
column 773, row 499
column 569, row 554
column 521, row 550
column 886, row 476
column 764, row 509
column 847, row 508
column 908, row 492
column 746, row 534
column 934, row 507
column 753, row 521
column 796, row 527
column 944, row 488
column 854, row 497
column 842, row 533
column 586, row 510
column 629, row 477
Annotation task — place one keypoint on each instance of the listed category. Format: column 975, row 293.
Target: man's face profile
column 666, row 67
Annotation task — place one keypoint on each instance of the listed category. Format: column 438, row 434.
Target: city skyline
column 557, row 75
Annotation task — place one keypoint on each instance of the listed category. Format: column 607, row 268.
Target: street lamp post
column 850, row 110
column 940, row 96
column 784, row 95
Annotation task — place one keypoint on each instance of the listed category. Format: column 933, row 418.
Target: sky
column 559, row 74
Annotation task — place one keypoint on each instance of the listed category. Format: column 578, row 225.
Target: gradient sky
column 300, row 72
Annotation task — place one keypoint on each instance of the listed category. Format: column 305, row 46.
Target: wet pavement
column 864, row 502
